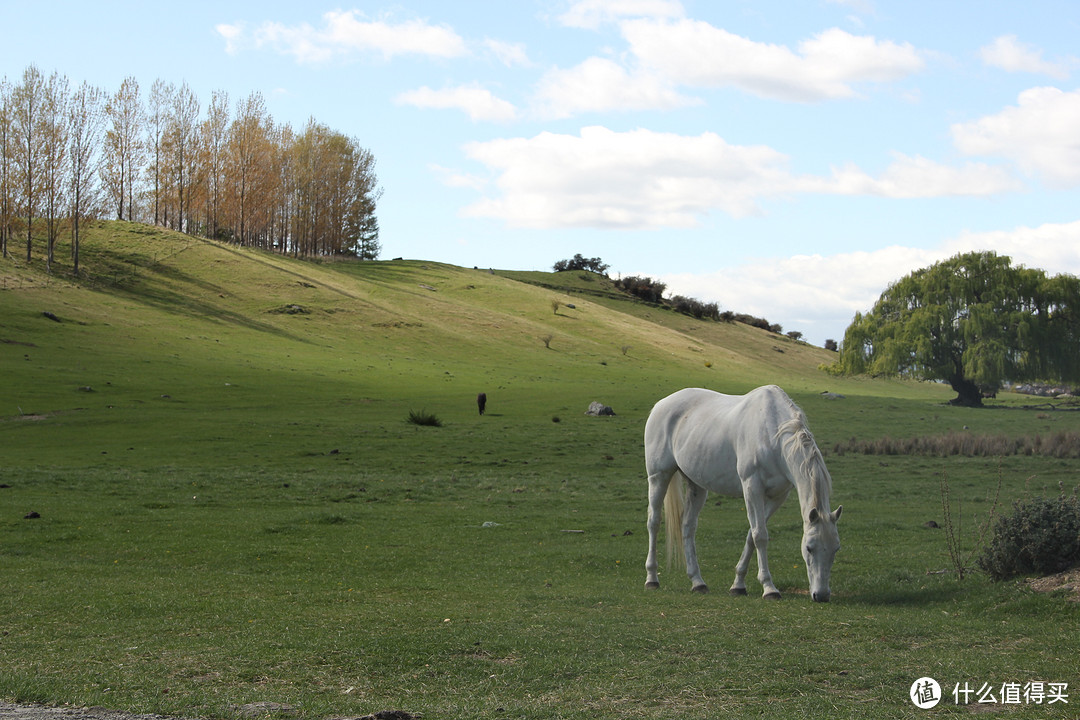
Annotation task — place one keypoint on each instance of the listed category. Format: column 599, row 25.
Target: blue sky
column 785, row 159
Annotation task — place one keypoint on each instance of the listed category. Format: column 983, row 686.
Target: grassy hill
column 249, row 356
column 214, row 505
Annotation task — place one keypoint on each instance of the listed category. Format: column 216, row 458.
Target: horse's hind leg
column 658, row 487
column 695, row 501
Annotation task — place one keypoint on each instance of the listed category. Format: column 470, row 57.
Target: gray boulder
column 598, row 409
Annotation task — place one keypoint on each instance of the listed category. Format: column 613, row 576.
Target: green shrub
column 579, row 262
column 424, row 418
column 642, row 287
column 696, row 308
column 757, row 322
column 1041, row 536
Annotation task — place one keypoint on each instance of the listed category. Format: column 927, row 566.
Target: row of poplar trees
column 223, row 171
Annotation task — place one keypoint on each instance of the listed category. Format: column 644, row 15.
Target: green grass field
column 233, row 508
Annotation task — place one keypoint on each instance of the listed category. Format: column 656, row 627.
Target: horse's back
column 767, row 406
column 712, row 437
column 671, row 414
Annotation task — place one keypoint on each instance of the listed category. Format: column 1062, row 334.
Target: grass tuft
column 424, row 418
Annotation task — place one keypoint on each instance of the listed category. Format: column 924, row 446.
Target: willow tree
column 974, row 321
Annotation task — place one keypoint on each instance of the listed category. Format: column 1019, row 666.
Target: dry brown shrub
column 1061, row 445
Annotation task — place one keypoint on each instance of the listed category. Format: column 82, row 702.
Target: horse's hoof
column 652, row 585
column 700, row 589
column 772, row 596
column 737, row 592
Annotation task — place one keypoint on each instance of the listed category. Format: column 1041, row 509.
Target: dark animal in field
column 481, row 402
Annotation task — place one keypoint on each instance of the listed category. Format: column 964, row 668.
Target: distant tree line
column 223, row 171
column 644, row 288
column 652, row 291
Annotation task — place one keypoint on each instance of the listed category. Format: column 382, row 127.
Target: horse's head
column 819, row 545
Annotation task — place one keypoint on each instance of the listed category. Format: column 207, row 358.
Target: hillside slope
column 239, row 349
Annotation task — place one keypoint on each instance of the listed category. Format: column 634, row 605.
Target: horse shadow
column 906, row 597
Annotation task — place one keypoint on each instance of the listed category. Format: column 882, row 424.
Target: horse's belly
column 722, row 470
column 716, row 474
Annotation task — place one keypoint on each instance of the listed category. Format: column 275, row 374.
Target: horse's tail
column 674, row 503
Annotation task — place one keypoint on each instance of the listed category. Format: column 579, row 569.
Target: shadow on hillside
column 253, row 257
column 132, row 276
column 383, row 271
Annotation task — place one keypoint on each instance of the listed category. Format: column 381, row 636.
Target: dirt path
column 39, row 712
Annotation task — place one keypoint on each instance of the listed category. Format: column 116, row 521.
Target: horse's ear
column 814, row 515
column 836, row 513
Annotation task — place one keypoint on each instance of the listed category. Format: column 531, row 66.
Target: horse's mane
column 804, row 456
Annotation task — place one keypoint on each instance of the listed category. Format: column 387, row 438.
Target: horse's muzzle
column 822, row 596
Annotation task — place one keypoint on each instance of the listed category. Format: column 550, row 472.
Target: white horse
column 756, row 446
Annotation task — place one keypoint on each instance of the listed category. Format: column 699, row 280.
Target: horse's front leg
column 739, row 586
column 758, row 511
column 761, row 542
column 695, row 501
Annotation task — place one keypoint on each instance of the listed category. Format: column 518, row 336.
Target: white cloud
column 345, row 32
column 1008, row 53
column 644, row 179
column 637, row 179
column 599, row 84
column 452, row 178
column 667, row 51
column 865, row 7
column 591, row 14
column 826, row 66
column 820, row 294
column 1054, row 247
column 916, row 177
column 231, row 33
column 509, row 54
column 480, row 104
column 817, row 295
column 302, row 42
column 1039, row 134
